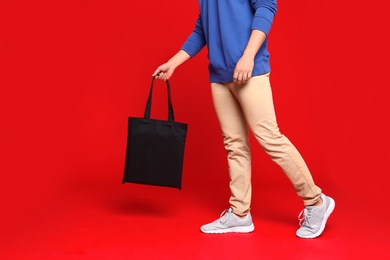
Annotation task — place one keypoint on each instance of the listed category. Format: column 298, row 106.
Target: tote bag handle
column 148, row 107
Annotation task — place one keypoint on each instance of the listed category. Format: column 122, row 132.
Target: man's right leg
column 235, row 136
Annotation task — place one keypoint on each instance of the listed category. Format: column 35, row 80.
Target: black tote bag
column 155, row 148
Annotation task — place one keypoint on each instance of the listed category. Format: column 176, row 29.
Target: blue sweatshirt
column 225, row 27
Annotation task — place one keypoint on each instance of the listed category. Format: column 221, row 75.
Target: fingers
column 241, row 77
column 161, row 76
column 162, row 73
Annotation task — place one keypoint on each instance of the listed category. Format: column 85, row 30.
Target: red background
column 73, row 71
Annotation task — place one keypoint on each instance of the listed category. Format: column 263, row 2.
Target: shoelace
column 224, row 216
column 305, row 216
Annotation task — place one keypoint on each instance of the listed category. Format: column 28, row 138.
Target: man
column 236, row 35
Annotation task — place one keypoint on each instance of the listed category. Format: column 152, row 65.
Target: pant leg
column 235, row 137
column 256, row 102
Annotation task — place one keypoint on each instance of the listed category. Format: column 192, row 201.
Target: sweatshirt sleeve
column 265, row 11
column 196, row 41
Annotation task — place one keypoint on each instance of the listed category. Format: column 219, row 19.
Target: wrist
column 248, row 54
column 172, row 63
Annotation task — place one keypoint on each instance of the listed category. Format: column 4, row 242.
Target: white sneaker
column 229, row 222
column 313, row 218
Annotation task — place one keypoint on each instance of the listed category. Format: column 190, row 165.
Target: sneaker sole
column 329, row 211
column 246, row 229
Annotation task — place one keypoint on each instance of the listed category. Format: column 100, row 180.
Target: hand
column 243, row 70
column 164, row 72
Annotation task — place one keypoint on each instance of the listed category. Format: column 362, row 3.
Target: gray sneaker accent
column 313, row 218
column 229, row 222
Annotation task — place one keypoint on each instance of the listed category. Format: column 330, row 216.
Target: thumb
column 156, row 72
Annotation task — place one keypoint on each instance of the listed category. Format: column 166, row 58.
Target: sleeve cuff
column 193, row 45
column 262, row 24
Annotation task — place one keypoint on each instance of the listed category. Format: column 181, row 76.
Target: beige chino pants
column 250, row 106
